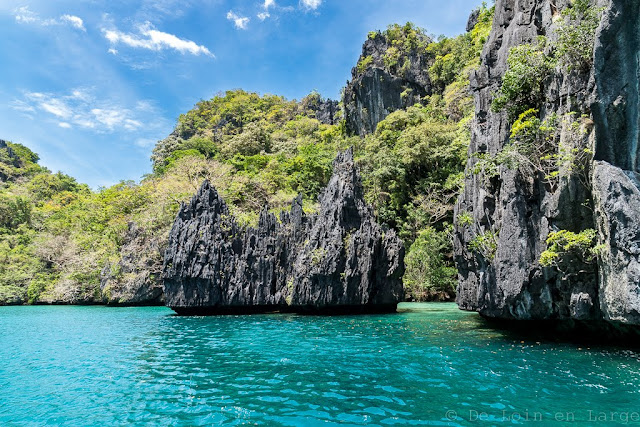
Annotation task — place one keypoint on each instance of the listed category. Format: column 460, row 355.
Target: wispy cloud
column 240, row 22
column 112, row 118
column 51, row 105
column 24, row 15
column 152, row 39
column 310, row 4
column 82, row 109
column 263, row 15
column 23, row 107
column 74, row 21
column 154, row 10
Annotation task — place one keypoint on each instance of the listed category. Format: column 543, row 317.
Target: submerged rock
column 337, row 260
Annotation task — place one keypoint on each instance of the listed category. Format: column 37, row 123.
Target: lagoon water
column 430, row 364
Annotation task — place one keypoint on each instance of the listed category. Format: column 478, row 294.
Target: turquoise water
column 428, row 365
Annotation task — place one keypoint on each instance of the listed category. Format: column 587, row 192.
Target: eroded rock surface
column 338, row 260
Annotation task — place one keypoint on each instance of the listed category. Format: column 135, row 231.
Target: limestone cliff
column 392, row 74
column 338, row 260
column 324, row 110
column 505, row 218
column 616, row 185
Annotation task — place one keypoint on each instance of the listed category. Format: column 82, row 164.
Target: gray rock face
column 324, row 110
column 338, row 260
column 616, row 188
column 514, row 210
column 518, row 211
column 616, row 101
column 378, row 90
column 472, row 21
column 617, row 201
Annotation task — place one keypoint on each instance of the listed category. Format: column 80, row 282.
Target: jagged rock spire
column 338, row 260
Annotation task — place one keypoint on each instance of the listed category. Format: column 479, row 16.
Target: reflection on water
column 428, row 363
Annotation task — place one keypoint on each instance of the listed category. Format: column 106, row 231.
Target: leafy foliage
column 56, row 236
column 563, row 243
column 535, row 147
column 427, row 269
column 522, row 83
column 364, row 63
column 485, row 244
column 456, row 57
column 533, row 144
column 529, row 64
column 403, row 42
column 414, row 159
column 576, row 35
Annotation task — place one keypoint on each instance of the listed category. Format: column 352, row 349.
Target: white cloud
column 145, row 106
column 81, row 94
column 24, row 15
column 240, row 22
column 311, row 4
column 266, row 6
column 153, row 39
column 22, row 106
column 112, row 118
column 74, row 21
column 56, row 107
column 113, row 51
column 132, row 124
column 82, row 109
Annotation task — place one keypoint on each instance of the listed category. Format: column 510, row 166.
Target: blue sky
column 91, row 85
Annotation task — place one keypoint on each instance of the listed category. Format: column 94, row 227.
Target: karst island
column 317, row 212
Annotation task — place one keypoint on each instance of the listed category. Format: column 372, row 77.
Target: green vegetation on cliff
column 543, row 144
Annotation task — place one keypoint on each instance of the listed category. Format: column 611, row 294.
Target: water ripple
column 144, row 366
